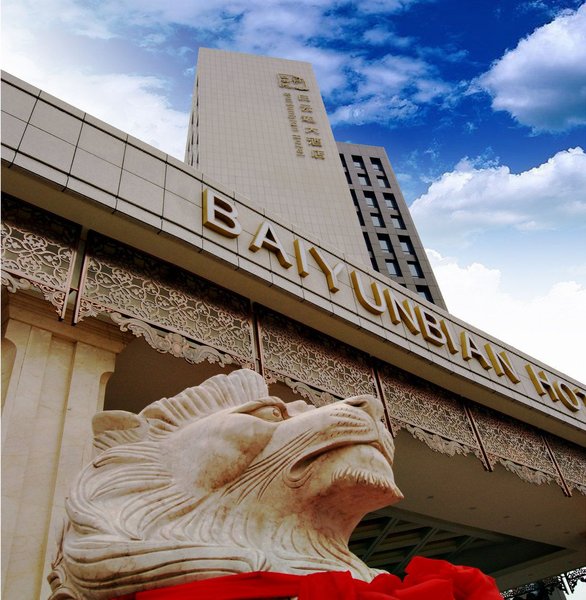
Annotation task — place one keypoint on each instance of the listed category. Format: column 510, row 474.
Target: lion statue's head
column 222, row 479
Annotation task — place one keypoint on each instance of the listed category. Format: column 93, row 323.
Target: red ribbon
column 427, row 579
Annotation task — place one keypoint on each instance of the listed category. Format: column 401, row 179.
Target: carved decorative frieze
column 172, row 343
column 428, row 413
column 316, row 397
column 119, row 279
column 520, row 448
column 38, row 251
column 571, row 460
column 290, row 350
column 573, row 577
column 537, row 588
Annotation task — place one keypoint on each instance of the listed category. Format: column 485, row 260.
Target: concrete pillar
column 52, row 385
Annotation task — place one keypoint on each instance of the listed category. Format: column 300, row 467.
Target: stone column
column 53, row 382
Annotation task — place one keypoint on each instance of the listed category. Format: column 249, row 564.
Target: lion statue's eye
column 268, row 413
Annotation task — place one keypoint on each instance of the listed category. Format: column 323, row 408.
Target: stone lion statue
column 222, row 479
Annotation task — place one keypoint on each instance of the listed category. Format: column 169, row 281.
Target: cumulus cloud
column 383, row 90
column 135, row 104
column 472, row 199
column 380, row 34
column 475, row 293
column 145, row 111
column 389, row 89
column 542, row 82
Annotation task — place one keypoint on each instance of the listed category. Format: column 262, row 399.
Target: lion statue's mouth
column 297, row 470
column 353, row 426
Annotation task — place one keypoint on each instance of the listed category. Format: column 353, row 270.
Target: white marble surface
column 221, row 479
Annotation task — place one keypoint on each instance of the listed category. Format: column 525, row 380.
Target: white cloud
column 107, row 18
column 394, row 88
column 542, row 82
column 390, row 89
column 375, row 109
column 385, row 6
column 380, row 35
column 22, row 17
column 135, row 104
column 549, row 327
column 474, row 199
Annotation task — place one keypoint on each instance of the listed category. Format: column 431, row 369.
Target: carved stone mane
column 222, row 479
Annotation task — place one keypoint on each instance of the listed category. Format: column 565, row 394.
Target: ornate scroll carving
column 171, row 343
column 571, row 460
column 547, row 584
column 221, row 479
column 430, row 414
column 118, row 279
column 573, row 577
column 38, row 251
column 293, row 351
column 518, row 447
column 314, row 396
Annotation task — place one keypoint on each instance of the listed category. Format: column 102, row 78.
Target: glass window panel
column 393, row 268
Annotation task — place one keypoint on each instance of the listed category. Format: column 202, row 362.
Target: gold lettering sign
column 292, row 82
column 221, row 216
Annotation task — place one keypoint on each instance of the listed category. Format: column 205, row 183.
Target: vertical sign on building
column 300, row 104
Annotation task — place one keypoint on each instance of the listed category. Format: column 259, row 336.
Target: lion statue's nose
column 367, row 403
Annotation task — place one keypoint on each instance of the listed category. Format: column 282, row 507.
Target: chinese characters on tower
column 305, row 134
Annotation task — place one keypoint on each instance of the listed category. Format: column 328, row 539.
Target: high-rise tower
column 259, row 126
column 389, row 233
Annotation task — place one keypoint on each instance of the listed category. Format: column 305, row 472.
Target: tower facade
column 259, row 126
column 392, row 242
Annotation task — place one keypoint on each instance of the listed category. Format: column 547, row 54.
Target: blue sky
column 481, row 106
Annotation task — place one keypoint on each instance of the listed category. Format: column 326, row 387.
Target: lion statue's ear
column 114, row 427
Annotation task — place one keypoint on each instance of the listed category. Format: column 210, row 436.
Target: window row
column 358, row 163
column 364, row 180
column 390, row 201
column 394, row 270
column 377, row 220
column 404, row 242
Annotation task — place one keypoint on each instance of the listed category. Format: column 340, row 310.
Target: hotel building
column 390, row 236
column 129, row 275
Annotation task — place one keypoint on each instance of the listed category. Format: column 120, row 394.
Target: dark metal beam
column 381, row 536
column 462, row 546
column 416, row 549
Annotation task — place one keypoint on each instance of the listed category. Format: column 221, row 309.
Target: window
column 358, row 162
column 368, row 244
column 363, row 179
column 385, row 243
column 382, row 182
column 390, row 201
column 377, row 220
column 376, row 164
column 370, row 252
column 343, row 162
column 406, row 245
column 424, row 292
column 360, row 217
column 393, row 268
column 415, row 269
column 370, row 199
column 354, row 198
column 348, row 180
column 398, row 223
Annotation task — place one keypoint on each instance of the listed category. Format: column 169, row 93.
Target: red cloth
column 427, row 579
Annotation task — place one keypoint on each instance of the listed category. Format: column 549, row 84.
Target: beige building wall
column 259, row 126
